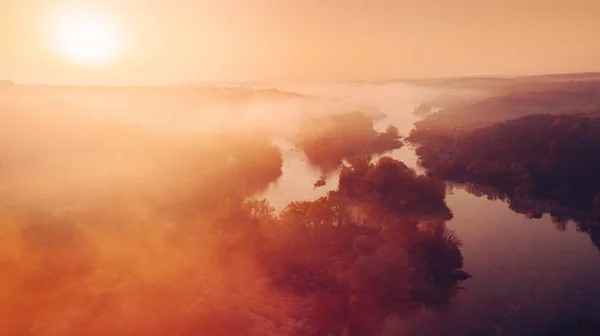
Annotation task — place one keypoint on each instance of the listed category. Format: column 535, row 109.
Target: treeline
column 156, row 234
column 553, row 98
column 361, row 253
column 540, row 163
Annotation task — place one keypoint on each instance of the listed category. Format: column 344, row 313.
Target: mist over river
column 125, row 196
column 529, row 278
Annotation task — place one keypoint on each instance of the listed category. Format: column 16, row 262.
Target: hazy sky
column 270, row 40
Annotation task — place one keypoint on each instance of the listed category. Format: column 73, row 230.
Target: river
column 528, row 277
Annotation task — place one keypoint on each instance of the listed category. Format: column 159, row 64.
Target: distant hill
column 485, row 83
column 559, row 98
column 241, row 92
column 504, row 84
column 158, row 98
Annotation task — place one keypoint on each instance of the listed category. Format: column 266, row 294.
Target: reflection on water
column 396, row 102
column 529, row 277
column 296, row 183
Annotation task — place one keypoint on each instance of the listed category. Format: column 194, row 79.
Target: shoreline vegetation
column 109, row 225
column 329, row 140
column 166, row 229
column 536, row 150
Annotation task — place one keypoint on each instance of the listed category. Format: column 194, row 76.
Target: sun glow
column 86, row 38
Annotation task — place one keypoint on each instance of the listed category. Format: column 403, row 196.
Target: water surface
column 528, row 277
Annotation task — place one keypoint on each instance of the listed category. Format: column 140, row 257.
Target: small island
column 327, row 141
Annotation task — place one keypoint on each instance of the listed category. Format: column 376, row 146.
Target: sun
column 86, row 38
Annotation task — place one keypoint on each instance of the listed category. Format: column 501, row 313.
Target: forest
column 118, row 229
column 539, row 164
column 162, row 234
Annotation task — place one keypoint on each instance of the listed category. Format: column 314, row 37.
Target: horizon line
column 4, row 82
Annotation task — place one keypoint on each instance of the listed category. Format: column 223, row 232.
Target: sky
column 192, row 41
